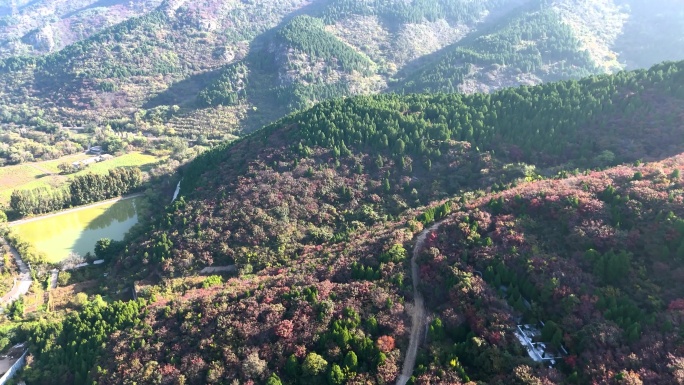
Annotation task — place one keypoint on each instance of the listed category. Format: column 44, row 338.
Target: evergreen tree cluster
column 81, row 190
column 63, row 62
column 535, row 41
column 548, row 124
column 308, row 34
column 412, row 11
column 66, row 352
column 228, row 89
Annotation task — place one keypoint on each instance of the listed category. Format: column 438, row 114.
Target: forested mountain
column 208, row 70
column 532, row 46
column 41, row 27
column 320, row 211
column 558, row 201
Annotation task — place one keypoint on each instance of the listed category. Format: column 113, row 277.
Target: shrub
column 63, row 278
column 211, row 281
column 314, row 365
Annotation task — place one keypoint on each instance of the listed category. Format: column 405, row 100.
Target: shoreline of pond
column 74, row 209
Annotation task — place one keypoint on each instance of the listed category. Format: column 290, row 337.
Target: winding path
column 22, row 283
column 419, row 314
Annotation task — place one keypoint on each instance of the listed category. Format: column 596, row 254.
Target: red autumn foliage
column 385, row 344
column 284, row 329
column 676, row 305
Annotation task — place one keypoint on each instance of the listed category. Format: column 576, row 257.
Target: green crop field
column 134, row 159
column 46, row 174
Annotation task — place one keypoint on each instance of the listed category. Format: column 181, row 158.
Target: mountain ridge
column 107, row 79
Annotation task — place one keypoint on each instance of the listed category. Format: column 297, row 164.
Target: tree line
column 81, row 190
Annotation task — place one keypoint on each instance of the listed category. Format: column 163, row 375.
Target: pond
column 77, row 231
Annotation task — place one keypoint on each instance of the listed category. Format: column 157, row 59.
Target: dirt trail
column 22, row 283
column 44, row 171
column 419, row 313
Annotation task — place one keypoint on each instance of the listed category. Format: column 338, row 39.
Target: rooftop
column 529, row 336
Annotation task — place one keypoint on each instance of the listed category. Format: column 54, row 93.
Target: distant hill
column 532, row 46
column 41, row 27
column 207, row 71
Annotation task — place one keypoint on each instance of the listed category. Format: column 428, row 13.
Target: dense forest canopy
column 535, row 41
column 415, row 11
column 597, row 258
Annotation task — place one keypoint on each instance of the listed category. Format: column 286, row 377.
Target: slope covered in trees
column 41, row 27
column 534, row 45
column 457, row 11
column 318, row 212
column 399, row 147
column 308, row 35
column 596, row 257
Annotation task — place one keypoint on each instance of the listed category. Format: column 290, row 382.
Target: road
column 54, row 274
column 218, row 269
column 21, row 283
column 419, row 314
column 21, row 221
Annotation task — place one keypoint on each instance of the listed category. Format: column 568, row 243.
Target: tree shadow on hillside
column 108, row 224
column 98, row 4
column 184, row 92
column 262, row 81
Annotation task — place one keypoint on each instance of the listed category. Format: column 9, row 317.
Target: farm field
column 28, row 176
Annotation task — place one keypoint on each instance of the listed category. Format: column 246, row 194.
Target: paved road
column 218, row 269
column 419, row 313
column 53, row 279
column 22, row 283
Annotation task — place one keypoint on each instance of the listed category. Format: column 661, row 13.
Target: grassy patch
column 62, row 297
column 134, row 159
column 46, row 174
column 14, row 176
column 51, row 165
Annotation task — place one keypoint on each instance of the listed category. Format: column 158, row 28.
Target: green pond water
column 78, row 231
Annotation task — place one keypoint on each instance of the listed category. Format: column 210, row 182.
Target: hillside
column 596, row 257
column 318, row 212
column 41, row 27
column 531, row 47
column 208, row 71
